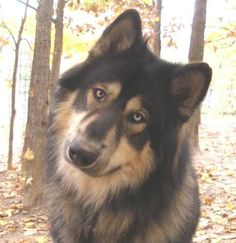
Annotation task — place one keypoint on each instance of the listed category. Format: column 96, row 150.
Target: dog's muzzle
column 86, row 156
column 89, row 158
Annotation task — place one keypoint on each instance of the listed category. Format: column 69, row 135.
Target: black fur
column 169, row 104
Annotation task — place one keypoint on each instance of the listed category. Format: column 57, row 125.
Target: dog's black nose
column 81, row 156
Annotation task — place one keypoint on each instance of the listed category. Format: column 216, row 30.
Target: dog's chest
column 107, row 225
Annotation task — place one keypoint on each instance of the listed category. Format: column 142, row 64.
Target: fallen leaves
column 217, row 178
column 16, row 224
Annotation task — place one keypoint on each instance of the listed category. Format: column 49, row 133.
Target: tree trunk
column 196, row 53
column 13, row 110
column 157, row 28
column 58, row 43
column 13, row 91
column 34, row 144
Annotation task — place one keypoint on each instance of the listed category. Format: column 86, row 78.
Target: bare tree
column 13, row 86
column 157, row 4
column 34, row 144
column 196, row 53
column 58, row 43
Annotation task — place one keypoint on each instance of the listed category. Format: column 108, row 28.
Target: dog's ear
column 120, row 35
column 189, row 86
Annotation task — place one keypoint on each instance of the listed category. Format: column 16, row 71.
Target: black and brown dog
column 119, row 166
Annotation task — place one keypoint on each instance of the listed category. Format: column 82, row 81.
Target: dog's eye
column 99, row 94
column 137, row 117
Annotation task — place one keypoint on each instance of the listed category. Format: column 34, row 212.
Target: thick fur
column 127, row 109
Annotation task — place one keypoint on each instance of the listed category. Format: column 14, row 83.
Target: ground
column 216, row 168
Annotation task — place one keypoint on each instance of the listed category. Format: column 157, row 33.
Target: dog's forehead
column 131, row 94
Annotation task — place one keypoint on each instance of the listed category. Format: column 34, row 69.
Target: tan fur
column 112, row 90
column 135, row 105
column 63, row 113
column 134, row 129
column 107, row 223
column 135, row 167
column 82, row 124
column 112, row 223
column 174, row 218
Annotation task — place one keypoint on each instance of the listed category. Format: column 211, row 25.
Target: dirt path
column 216, row 166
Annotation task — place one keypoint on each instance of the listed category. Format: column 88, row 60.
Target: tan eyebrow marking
column 134, row 104
column 112, row 90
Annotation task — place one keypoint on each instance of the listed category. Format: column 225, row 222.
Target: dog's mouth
column 98, row 169
column 113, row 170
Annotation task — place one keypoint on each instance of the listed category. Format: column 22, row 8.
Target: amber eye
column 99, row 94
column 137, row 117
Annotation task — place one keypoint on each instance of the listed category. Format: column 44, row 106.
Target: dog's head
column 114, row 110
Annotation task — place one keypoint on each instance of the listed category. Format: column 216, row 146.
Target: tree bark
column 58, row 43
column 13, row 90
column 34, row 144
column 157, row 28
column 196, row 53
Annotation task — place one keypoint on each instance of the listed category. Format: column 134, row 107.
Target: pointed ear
column 189, row 87
column 120, row 35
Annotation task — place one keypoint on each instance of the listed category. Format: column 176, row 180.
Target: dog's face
column 115, row 108
column 106, row 130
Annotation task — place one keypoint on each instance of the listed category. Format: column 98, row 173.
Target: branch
column 217, row 40
column 22, row 24
column 28, row 44
column 226, row 45
column 11, row 34
column 227, row 29
column 221, row 28
column 27, row 4
column 30, row 6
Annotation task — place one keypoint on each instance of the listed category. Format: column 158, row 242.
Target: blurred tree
column 13, row 85
column 157, row 4
column 196, row 53
column 58, row 43
column 34, row 144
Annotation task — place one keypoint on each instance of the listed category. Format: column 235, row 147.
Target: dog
column 118, row 156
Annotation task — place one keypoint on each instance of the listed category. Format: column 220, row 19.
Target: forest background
column 84, row 21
